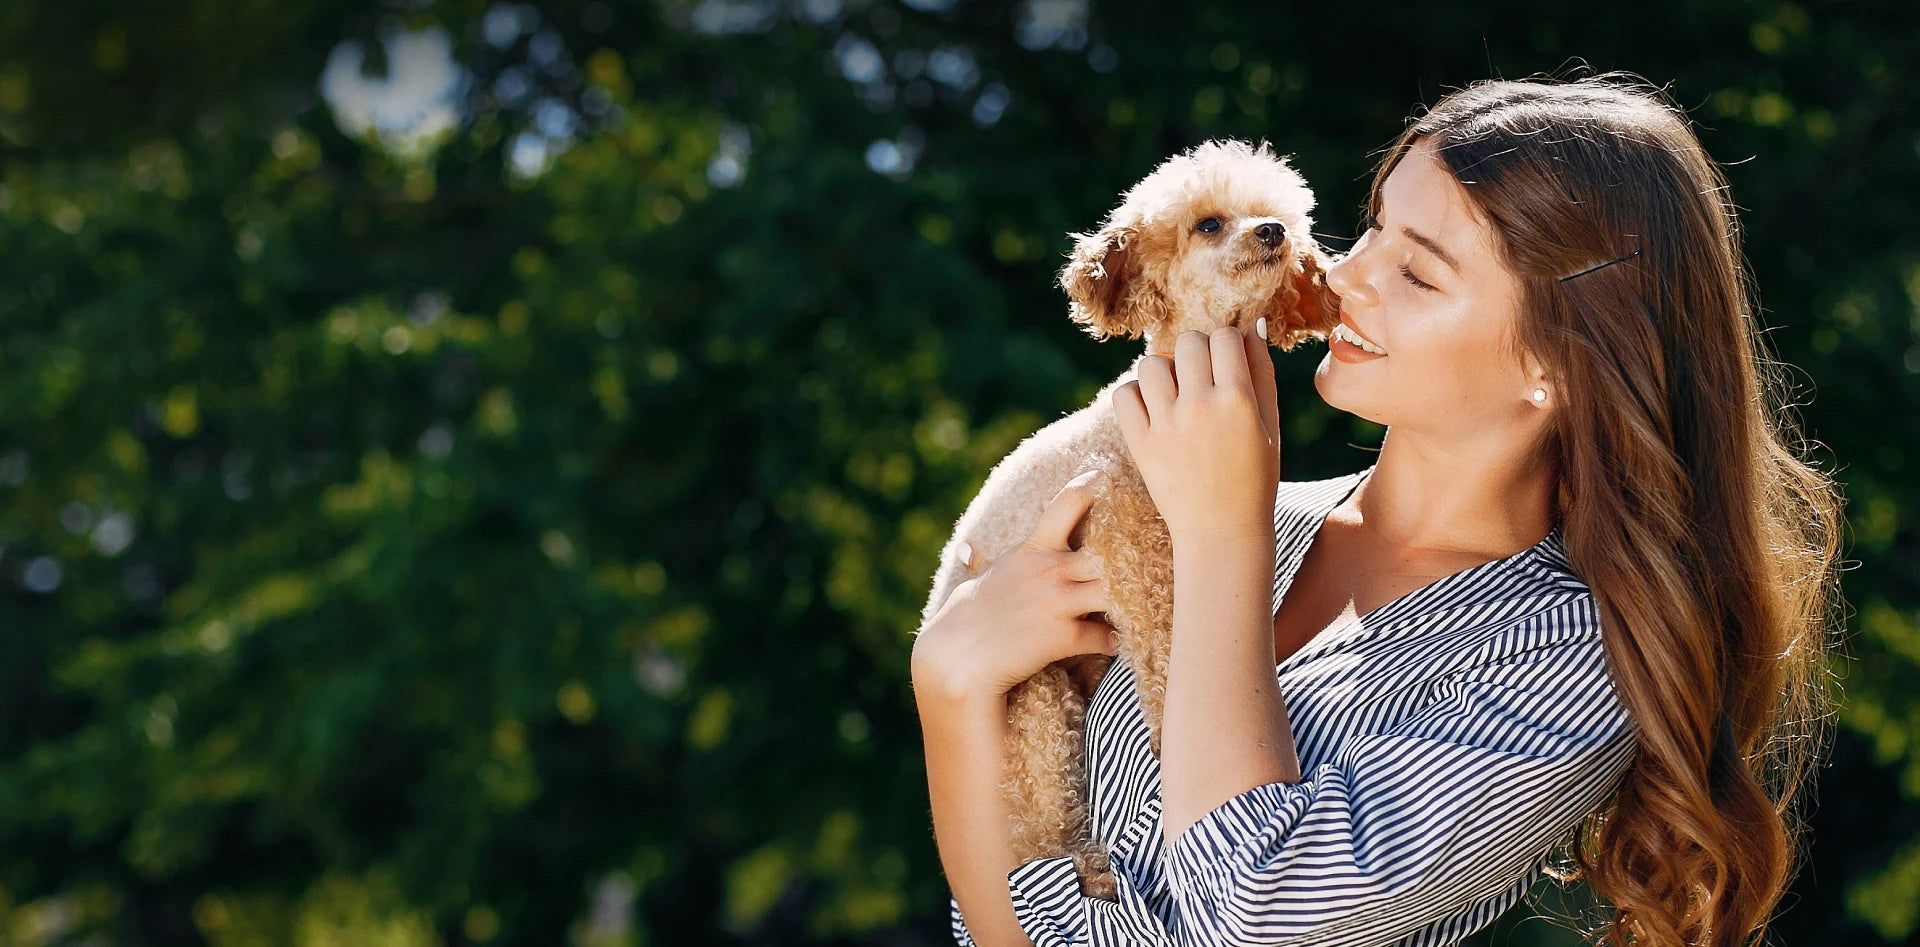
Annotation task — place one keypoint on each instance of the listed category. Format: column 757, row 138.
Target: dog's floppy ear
column 1097, row 276
column 1305, row 308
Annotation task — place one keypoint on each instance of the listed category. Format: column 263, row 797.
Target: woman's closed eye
column 1417, row 282
column 1371, row 222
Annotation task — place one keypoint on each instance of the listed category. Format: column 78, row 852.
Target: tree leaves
column 519, row 537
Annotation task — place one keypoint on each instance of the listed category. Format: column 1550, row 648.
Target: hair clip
column 1601, row 266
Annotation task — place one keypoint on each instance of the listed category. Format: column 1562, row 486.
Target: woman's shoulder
column 1548, row 563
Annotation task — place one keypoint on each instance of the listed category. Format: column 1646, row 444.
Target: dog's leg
column 1045, row 777
column 1128, row 534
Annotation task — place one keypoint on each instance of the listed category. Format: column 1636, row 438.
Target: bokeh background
column 470, row 471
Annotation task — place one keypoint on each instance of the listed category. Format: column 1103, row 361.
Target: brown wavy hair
column 1708, row 542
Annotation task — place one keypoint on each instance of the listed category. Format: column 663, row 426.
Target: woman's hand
column 1021, row 613
column 1204, row 429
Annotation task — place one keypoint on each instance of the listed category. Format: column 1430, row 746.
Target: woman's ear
column 1536, row 379
column 1097, row 278
column 1305, row 307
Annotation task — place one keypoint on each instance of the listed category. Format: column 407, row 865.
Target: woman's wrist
column 951, row 711
column 949, row 697
column 946, row 685
column 1222, row 579
column 1217, row 538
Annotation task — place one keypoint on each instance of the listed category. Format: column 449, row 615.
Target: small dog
column 1215, row 236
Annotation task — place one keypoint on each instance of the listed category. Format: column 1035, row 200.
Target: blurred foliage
column 503, row 520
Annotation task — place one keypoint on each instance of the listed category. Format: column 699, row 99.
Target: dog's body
column 1215, row 236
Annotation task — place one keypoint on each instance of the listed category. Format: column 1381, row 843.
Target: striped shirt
column 1447, row 741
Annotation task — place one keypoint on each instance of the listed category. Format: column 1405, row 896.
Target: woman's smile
column 1348, row 346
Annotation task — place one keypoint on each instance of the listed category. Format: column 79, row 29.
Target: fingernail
column 966, row 554
column 1262, row 326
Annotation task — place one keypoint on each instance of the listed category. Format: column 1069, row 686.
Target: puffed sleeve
column 1053, row 912
column 1046, row 900
column 964, row 938
column 1403, row 827
column 961, row 935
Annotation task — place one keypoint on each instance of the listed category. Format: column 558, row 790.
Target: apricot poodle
column 1215, row 236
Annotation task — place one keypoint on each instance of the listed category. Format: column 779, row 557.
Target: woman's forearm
column 1224, row 729
column 966, row 745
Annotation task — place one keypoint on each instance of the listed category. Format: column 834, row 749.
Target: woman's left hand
column 1204, row 429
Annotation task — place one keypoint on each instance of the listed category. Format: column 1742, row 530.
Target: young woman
column 1581, row 596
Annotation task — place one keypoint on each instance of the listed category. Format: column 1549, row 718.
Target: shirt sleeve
column 1053, row 912
column 1046, row 901
column 961, row 936
column 1404, row 827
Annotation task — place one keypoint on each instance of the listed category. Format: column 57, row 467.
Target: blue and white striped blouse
column 1447, row 740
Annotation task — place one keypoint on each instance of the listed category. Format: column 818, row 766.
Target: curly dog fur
column 1215, row 236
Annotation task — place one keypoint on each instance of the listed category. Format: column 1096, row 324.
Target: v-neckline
column 1287, row 568
column 1287, row 561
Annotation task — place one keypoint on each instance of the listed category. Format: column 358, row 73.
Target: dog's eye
column 1209, row 225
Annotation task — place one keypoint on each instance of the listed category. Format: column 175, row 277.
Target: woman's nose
column 1341, row 276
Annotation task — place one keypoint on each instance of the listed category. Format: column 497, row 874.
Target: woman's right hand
column 1020, row 613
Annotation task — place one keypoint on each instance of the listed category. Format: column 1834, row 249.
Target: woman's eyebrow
column 1432, row 247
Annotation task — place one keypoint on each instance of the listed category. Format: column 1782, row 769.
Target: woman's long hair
column 1708, row 542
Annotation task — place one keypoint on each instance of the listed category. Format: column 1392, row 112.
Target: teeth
column 1341, row 332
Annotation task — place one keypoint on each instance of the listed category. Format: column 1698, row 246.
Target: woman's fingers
column 1193, row 358
column 1091, row 637
column 975, row 560
column 1085, row 598
column 1063, row 512
column 1130, row 412
column 1153, row 376
column 1227, row 351
column 1084, row 566
column 1265, row 389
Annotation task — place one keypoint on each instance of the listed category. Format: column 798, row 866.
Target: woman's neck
column 1449, row 499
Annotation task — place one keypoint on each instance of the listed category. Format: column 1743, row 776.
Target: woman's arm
column 965, row 743
column 1224, row 729
column 995, row 630
column 1207, row 442
column 1454, row 804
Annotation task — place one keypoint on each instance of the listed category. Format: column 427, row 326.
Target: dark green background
column 399, row 549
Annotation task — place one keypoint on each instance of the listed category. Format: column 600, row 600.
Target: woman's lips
column 1348, row 352
column 1349, row 337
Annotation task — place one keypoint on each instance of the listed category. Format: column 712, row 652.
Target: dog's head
column 1215, row 236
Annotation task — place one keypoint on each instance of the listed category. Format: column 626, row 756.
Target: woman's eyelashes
column 1371, row 222
column 1417, row 282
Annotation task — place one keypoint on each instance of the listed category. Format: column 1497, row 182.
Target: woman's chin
column 1339, row 396
column 1330, row 389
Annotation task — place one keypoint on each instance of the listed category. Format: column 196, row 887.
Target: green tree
column 504, row 520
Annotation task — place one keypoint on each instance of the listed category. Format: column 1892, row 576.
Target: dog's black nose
column 1270, row 233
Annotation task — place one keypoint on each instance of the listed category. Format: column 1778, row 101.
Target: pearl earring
column 1539, row 396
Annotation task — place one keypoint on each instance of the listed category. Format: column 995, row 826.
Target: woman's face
column 1425, row 283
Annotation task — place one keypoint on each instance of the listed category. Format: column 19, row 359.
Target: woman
column 1581, row 594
